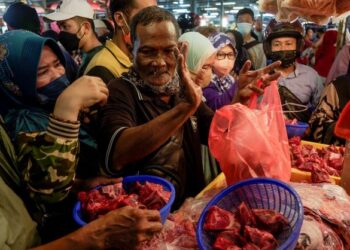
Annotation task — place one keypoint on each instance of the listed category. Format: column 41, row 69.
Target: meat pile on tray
column 245, row 229
column 322, row 163
column 100, row 201
column 317, row 11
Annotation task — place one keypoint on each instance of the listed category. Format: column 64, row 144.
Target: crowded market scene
column 175, row 124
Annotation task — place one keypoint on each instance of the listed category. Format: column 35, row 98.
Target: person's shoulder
column 118, row 83
column 121, row 86
column 100, row 56
column 307, row 69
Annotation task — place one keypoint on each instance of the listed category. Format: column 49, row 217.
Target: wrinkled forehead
column 156, row 34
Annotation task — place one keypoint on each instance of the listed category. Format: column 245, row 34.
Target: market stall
column 326, row 205
column 326, row 219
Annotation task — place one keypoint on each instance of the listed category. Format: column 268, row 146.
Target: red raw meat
column 263, row 239
column 234, row 236
column 255, row 231
column 220, row 219
column 225, row 240
column 270, row 220
column 250, row 246
column 152, row 195
column 322, row 163
column 246, row 215
column 114, row 190
column 98, row 202
column 320, row 175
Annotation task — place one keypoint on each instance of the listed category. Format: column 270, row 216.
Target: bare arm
column 122, row 228
column 137, row 142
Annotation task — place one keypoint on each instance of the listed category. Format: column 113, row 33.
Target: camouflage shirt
column 46, row 161
column 45, row 166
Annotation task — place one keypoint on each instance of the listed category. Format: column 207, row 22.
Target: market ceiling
column 201, row 7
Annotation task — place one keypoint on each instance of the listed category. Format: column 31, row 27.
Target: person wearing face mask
column 29, row 93
column 245, row 22
column 20, row 16
column 300, row 86
column 75, row 19
column 38, row 94
column 222, row 87
column 115, row 58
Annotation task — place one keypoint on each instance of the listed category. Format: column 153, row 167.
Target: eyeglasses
column 222, row 56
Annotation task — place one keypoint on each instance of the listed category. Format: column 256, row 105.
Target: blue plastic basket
column 127, row 182
column 258, row 193
column 297, row 129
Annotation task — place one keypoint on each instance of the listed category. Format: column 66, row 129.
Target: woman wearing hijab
column 200, row 59
column 32, row 78
column 201, row 56
column 35, row 96
column 222, row 87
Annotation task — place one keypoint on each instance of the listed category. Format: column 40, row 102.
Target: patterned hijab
column 219, row 41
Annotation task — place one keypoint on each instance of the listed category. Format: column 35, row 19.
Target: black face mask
column 287, row 57
column 69, row 41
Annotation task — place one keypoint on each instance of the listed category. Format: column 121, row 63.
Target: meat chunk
column 270, row 220
column 220, row 219
column 229, row 240
column 246, row 215
column 263, row 239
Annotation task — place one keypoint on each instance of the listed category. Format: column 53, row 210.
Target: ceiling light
column 227, row 3
column 211, row 8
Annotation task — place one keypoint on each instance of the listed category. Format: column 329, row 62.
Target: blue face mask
column 50, row 92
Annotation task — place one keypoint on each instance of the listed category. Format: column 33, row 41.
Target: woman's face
column 224, row 62
column 204, row 74
column 50, row 68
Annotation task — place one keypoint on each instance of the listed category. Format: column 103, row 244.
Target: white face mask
column 223, row 67
column 244, row 28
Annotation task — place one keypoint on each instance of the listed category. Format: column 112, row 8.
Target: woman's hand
column 83, row 93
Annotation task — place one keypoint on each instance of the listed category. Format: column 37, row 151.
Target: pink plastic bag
column 251, row 142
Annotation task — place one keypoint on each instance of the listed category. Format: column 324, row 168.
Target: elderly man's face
column 155, row 47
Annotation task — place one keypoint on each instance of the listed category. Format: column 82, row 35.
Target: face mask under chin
column 287, row 57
